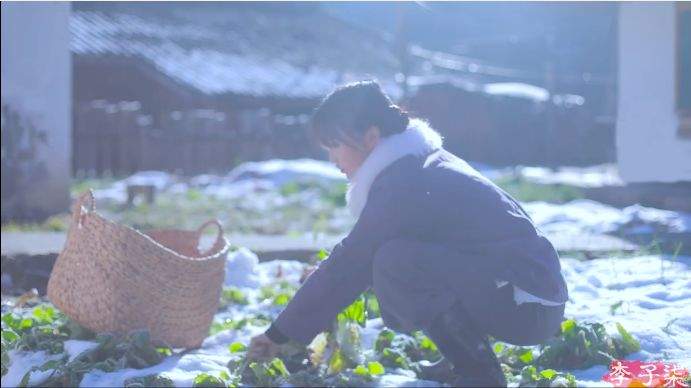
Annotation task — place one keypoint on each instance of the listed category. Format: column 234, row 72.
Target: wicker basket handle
column 84, row 205
column 205, row 225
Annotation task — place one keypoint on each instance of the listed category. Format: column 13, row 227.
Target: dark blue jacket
column 434, row 198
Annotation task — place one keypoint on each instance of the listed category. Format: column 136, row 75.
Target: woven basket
column 112, row 278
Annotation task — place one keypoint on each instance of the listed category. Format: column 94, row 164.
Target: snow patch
column 74, row 348
column 655, row 303
column 22, row 362
column 583, row 215
column 593, row 176
column 282, row 171
column 517, row 89
column 241, row 268
column 653, row 290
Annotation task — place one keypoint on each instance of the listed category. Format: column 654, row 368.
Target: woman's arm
column 344, row 275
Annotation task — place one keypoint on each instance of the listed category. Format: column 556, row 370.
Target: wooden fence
column 119, row 139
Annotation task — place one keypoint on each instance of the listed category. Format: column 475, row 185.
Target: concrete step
column 287, row 247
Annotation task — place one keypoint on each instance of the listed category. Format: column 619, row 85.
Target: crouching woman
column 444, row 249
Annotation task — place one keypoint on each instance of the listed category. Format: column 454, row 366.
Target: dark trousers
column 416, row 281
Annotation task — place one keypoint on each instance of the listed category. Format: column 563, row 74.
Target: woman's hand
column 262, row 348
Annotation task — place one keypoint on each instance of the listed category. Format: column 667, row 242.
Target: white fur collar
column 419, row 138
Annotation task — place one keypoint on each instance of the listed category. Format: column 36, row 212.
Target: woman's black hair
column 347, row 112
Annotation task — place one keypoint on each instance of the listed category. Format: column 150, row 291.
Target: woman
column 444, row 249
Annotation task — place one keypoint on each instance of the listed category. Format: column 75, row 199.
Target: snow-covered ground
column 266, row 175
column 584, row 215
column 286, row 197
column 260, row 188
column 655, row 292
column 247, row 178
column 650, row 295
column 594, row 176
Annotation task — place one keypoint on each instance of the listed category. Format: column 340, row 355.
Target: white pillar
column 649, row 147
column 37, row 86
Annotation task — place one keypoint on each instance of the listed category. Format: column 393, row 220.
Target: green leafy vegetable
column 269, row 373
column 628, row 344
column 585, row 345
column 229, row 324
column 529, row 376
column 321, row 255
column 372, row 370
column 233, row 295
column 526, row 357
column 356, row 312
column 279, row 293
column 282, row 299
column 236, row 347
column 375, row 368
column 337, row 362
column 148, row 381
column 111, row 353
column 207, row 380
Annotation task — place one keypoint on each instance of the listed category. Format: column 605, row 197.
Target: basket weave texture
column 113, row 278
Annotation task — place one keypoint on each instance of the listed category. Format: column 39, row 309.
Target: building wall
column 504, row 130
column 36, row 93
column 649, row 148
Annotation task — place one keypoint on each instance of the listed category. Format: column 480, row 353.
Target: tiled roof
column 239, row 50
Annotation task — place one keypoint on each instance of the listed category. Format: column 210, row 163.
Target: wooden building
column 200, row 86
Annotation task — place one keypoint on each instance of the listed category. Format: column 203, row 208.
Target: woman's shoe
column 462, row 381
column 440, row 371
column 467, row 348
